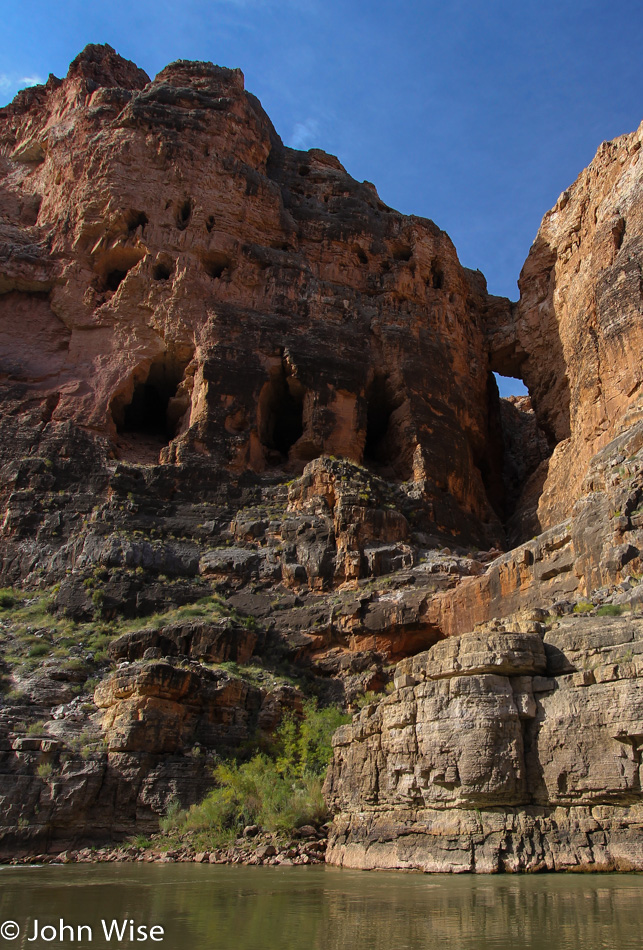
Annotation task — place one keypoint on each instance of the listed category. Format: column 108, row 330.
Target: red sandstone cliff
column 247, row 416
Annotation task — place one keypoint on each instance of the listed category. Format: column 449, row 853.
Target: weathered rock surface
column 251, row 450
column 499, row 752
column 197, row 288
column 575, row 339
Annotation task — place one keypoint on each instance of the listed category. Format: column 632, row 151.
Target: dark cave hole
column 155, row 410
column 618, row 233
column 114, row 265
column 216, row 264
column 114, row 279
column 380, row 408
column 436, row 277
column 281, row 406
column 146, row 413
column 361, row 256
column 135, row 219
column 209, row 224
column 402, row 253
column 288, row 422
column 304, row 170
column 184, row 214
column 162, row 271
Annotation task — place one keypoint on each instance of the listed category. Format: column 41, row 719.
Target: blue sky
column 475, row 113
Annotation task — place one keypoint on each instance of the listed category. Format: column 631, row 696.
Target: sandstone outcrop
column 146, row 224
column 500, row 752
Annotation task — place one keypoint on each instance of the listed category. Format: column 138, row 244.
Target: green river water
column 317, row 908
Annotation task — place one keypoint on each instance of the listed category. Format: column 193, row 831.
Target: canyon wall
column 248, row 416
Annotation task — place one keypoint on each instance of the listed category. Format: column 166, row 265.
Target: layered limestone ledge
column 602, row 838
column 499, row 752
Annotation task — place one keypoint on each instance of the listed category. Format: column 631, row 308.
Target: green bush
column 39, row 649
column 583, row 606
column 279, row 791
column 609, row 610
column 44, row 770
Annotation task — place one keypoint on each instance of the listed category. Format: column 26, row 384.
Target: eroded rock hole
column 216, row 264
column 382, row 448
column 135, row 219
column 361, row 255
column 114, row 265
column 209, row 224
column 157, row 405
column 162, row 271
column 183, row 214
column 618, row 232
column 280, row 415
column 114, row 278
column 402, row 253
column 436, row 276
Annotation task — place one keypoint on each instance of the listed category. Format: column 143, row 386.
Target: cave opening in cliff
column 280, row 415
column 113, row 266
column 152, row 415
column 383, row 448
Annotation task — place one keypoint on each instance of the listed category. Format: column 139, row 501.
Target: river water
column 317, row 908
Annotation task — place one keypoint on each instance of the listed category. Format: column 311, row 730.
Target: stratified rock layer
column 499, row 753
column 244, row 399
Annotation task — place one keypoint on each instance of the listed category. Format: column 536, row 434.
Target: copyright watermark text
column 113, row 931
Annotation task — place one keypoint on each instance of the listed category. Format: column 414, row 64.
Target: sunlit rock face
column 193, row 287
column 576, row 334
column 499, row 752
column 248, row 416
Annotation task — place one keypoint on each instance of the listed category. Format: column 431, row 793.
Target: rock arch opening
column 510, row 386
column 150, row 411
column 280, row 415
column 513, row 462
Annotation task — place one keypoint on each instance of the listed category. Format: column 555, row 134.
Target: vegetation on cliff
column 278, row 790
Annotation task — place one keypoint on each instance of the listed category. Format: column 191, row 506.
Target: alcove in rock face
column 152, row 417
column 280, row 416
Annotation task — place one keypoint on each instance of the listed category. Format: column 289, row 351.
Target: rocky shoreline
column 254, row 848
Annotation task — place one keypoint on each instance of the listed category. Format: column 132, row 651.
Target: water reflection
column 223, row 908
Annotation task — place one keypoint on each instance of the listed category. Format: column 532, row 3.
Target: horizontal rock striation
column 500, row 752
column 252, row 449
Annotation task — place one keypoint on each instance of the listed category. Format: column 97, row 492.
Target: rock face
column 575, row 339
column 464, row 767
column 195, row 287
column 252, row 450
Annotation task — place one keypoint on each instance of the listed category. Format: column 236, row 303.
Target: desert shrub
column 7, row 599
column 280, row 790
column 39, row 649
column 609, row 610
column 44, row 770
